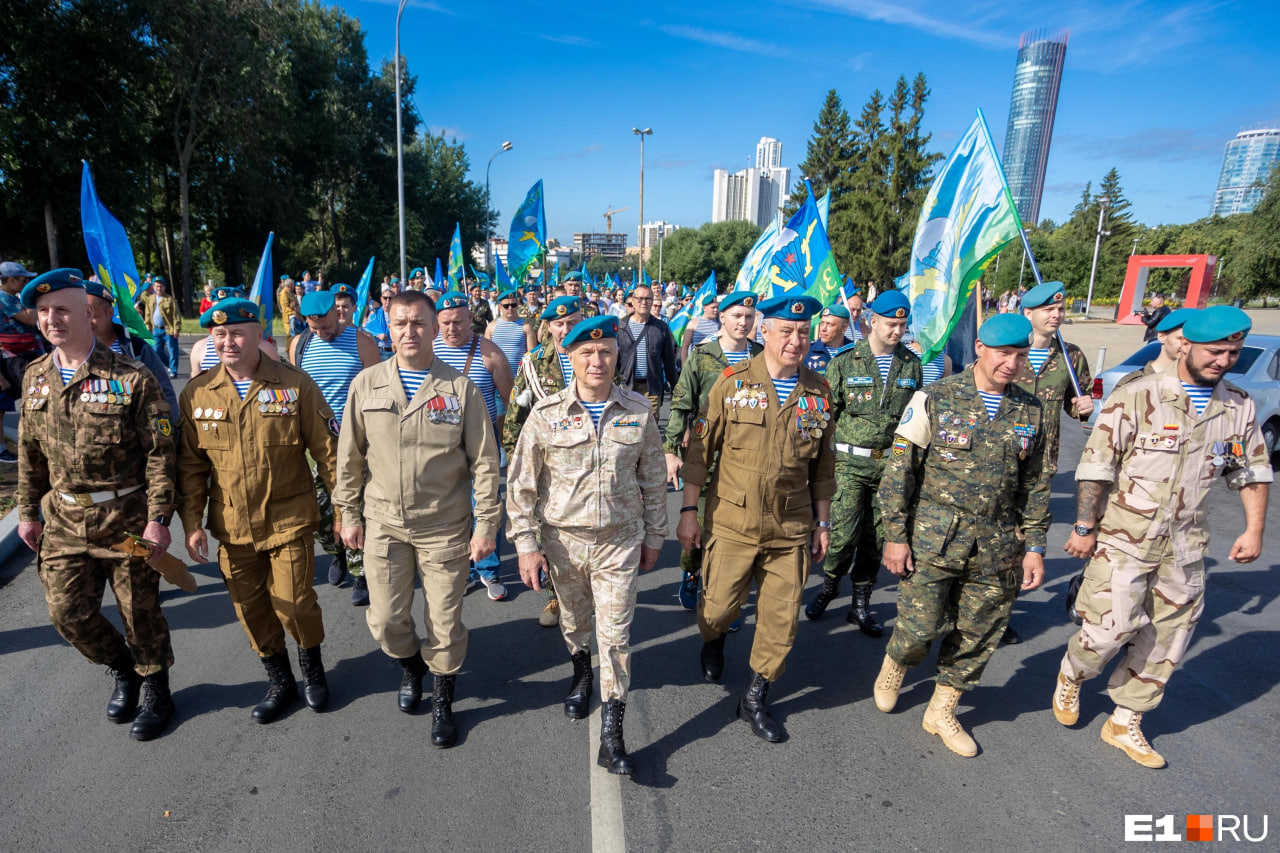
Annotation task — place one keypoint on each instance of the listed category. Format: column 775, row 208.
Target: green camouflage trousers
column 966, row 606
column 857, row 533
column 75, row 574
column 324, row 533
column 1150, row 608
column 597, row 583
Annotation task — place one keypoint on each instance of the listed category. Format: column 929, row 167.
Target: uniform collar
column 571, row 398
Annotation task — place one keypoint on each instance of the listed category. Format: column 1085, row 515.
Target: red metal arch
column 1135, row 282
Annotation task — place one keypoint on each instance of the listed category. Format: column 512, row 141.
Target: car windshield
column 1148, row 353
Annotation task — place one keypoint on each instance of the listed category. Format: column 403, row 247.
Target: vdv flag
column 456, row 270
column 555, row 275
column 261, row 291
column 754, row 274
column 110, row 255
column 680, row 322
column 362, row 294
column 804, row 260
column 644, row 277
column 504, row 280
column 481, row 277
column 527, row 240
column 439, row 282
column 586, row 276
column 967, row 218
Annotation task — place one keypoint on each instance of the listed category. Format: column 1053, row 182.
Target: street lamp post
column 648, row 131
column 488, row 235
column 1097, row 245
column 404, row 267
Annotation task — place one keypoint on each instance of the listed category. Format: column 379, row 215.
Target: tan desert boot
column 1066, row 700
column 1123, row 730
column 888, row 683
column 940, row 719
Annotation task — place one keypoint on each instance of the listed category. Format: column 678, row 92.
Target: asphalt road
column 364, row 776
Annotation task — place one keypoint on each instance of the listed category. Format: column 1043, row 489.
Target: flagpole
column 1035, row 271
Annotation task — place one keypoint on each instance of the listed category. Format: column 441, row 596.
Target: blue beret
column 836, row 311
column 343, row 290
column 787, row 307
column 284, row 277
column 531, row 288
column 93, row 288
column 417, row 271
column 452, row 299
column 745, row 298
column 561, row 306
column 1219, row 323
column 1006, row 330
column 891, row 303
column 159, row 280
column 1048, row 293
column 592, row 329
column 508, row 294
column 1175, row 319
column 575, row 275
column 224, row 292
column 317, row 303
column 229, row 312
column 49, row 282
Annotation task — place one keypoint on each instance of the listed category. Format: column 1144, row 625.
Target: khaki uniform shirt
column 288, row 301
column 249, row 465
column 168, row 310
column 71, row 445
column 606, row 483
column 1163, row 460
column 414, row 462
column 772, row 465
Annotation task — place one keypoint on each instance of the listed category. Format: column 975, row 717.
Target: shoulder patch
column 728, row 371
column 333, row 427
column 700, row 428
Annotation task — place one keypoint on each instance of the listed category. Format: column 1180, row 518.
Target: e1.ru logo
column 1199, row 827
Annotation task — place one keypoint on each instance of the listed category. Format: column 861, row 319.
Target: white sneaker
column 497, row 592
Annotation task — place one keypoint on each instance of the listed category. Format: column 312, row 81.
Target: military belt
column 91, row 498
column 853, row 450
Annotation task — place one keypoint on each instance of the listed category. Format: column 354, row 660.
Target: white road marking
column 607, row 831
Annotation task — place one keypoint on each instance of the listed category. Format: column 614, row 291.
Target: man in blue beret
column 247, row 427
column 763, row 453
column 592, row 541
column 164, row 321
column 110, row 334
column 871, row 384
column 514, row 335
column 95, row 467
column 965, row 500
column 1172, row 343
column 1142, row 513
column 832, row 325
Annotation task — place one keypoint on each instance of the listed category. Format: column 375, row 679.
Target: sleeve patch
column 333, row 427
column 700, row 428
column 164, row 426
column 914, row 425
column 900, row 446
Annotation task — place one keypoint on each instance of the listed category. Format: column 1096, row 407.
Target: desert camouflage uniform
column 593, row 497
column 1147, row 369
column 963, row 492
column 1144, row 587
column 1053, row 386
column 865, row 411
column 67, row 445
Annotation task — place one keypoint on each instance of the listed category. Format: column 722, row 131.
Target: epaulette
column 737, row 368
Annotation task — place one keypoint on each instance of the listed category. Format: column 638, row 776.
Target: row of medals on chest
column 270, row 401
column 99, row 391
column 811, row 412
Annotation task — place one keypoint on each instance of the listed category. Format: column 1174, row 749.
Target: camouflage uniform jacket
column 1162, row 461
column 544, row 363
column 954, row 480
column 71, row 445
column 689, row 399
column 1147, row 369
column 1053, row 386
column 481, row 315
column 607, row 483
column 864, row 410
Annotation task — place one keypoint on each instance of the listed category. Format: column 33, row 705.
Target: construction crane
column 608, row 218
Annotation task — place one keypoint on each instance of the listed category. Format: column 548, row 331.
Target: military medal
column 198, row 413
column 84, row 397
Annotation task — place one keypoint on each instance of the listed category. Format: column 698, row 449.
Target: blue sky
column 1155, row 89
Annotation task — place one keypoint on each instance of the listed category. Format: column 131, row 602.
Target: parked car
column 1257, row 371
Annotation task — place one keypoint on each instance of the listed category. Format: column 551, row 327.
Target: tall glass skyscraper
column 1249, row 158
column 1036, row 78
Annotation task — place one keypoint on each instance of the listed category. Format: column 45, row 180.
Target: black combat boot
column 579, row 698
column 444, row 733
column 713, row 658
column 338, row 567
column 156, row 709
column 753, row 709
column 124, row 699
column 815, row 608
column 613, row 752
column 315, row 687
column 410, row 695
column 860, row 613
column 281, row 692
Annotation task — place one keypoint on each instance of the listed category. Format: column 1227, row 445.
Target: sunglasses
column 507, row 305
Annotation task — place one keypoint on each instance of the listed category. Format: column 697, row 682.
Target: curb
column 9, row 541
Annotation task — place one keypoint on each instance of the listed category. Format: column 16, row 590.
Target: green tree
column 827, row 155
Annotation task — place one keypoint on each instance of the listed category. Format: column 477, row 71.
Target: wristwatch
column 163, row 520
column 825, row 524
column 1036, row 549
column 1082, row 530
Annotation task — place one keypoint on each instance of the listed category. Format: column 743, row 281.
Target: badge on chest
column 443, row 409
column 812, row 414
column 278, row 401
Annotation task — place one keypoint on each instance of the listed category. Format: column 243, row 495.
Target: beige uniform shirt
column 608, row 482
column 1163, row 460
column 414, row 462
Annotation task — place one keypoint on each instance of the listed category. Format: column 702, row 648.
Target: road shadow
column 651, row 759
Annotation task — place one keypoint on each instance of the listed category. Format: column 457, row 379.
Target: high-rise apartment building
column 768, row 153
column 1248, row 159
column 1036, row 78
column 652, row 232
column 756, row 193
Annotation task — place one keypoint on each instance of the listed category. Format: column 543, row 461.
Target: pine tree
column 864, row 219
column 826, row 162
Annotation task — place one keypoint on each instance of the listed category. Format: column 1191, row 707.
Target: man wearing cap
column 1142, row 518
column 332, row 353
column 164, row 321
column 417, row 278
column 587, row 503
column 871, row 385
column 573, row 287
column 831, row 340
column 247, row 427
column 479, row 359
column 481, row 311
column 111, row 335
column 646, row 351
column 204, row 355
column 417, row 442
column 705, row 365
column 19, row 343
column 965, row 503
column 767, row 434
column 96, row 465
column 1172, row 343
column 289, row 304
